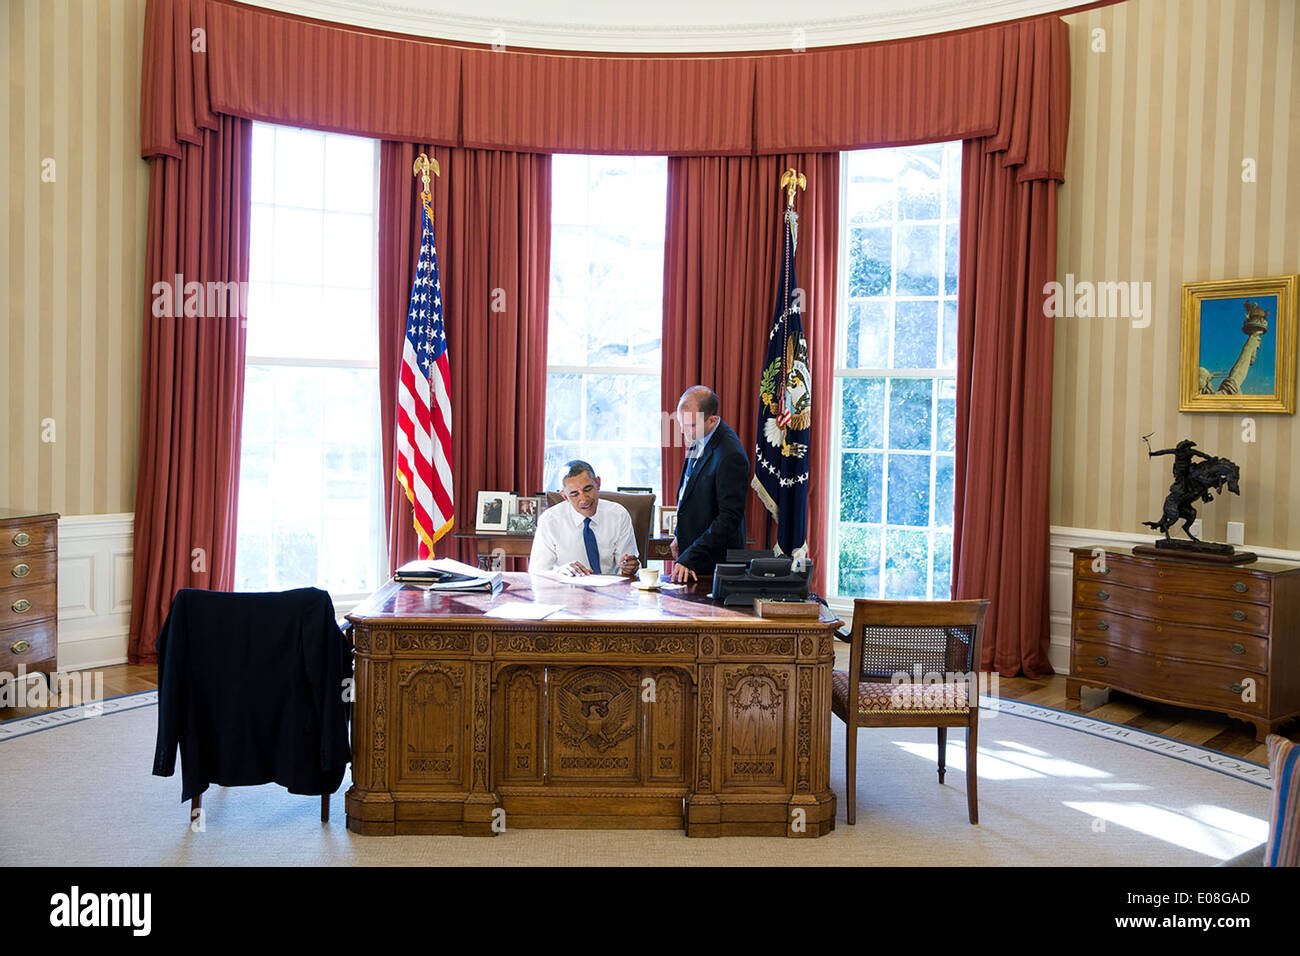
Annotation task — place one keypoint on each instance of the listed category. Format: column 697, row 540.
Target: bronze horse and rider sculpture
column 1196, row 475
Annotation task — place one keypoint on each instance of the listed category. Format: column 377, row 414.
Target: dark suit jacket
column 711, row 511
column 251, row 690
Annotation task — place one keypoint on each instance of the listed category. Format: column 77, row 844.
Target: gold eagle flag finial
column 421, row 167
column 792, row 180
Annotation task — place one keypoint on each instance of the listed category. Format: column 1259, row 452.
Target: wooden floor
column 1199, row 727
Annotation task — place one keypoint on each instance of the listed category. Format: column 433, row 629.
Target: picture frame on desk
column 493, row 510
column 522, row 522
column 668, row 520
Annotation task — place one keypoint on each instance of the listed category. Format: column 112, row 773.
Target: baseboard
column 95, row 556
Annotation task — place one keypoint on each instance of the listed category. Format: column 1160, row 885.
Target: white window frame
column 844, row 603
column 344, row 602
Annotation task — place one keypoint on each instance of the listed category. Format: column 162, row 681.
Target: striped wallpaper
column 72, row 262
column 1160, row 124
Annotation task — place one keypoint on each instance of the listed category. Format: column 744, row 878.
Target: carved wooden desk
column 627, row 709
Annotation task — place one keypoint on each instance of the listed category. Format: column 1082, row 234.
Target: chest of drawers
column 1216, row 637
column 29, row 627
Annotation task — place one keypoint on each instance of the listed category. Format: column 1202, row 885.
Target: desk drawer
column 33, row 570
column 22, row 605
column 1208, row 686
column 27, row 535
column 1228, row 584
column 1172, row 608
column 1246, row 651
column 27, row 645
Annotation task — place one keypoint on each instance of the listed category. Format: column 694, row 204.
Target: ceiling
column 667, row 26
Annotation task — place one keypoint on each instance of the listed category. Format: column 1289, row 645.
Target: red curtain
column 1001, row 525
column 192, row 380
column 721, row 254
column 492, row 225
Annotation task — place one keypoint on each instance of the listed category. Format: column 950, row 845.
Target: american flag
column 424, row 400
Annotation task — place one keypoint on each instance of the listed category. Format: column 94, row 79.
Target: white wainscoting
column 1062, row 578
column 95, row 553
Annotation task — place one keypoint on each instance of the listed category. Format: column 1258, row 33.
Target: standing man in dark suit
column 711, row 492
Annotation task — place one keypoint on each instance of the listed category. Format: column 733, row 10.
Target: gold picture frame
column 1238, row 348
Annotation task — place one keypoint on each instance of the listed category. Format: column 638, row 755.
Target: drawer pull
column 22, row 539
column 1238, row 648
column 1239, row 615
column 1235, row 688
column 1102, row 594
column 21, row 571
column 1239, row 587
column 1103, row 625
column 22, row 604
column 1101, row 660
column 21, row 647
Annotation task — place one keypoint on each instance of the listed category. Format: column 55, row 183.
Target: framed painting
column 1239, row 345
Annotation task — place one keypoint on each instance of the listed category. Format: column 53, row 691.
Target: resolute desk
column 626, row 709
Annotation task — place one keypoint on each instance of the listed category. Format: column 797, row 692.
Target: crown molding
column 684, row 27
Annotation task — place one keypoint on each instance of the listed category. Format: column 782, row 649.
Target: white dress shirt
column 558, row 539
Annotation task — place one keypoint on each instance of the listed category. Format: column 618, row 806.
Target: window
column 606, row 318
column 310, row 494
column 895, row 389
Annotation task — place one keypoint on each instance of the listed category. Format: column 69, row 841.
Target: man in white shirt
column 584, row 535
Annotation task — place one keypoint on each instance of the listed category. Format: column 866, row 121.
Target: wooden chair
column 913, row 639
column 640, row 507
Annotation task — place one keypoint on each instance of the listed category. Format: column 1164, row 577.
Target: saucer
column 648, row 587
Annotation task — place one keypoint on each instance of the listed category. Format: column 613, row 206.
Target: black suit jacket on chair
column 251, row 691
column 711, row 510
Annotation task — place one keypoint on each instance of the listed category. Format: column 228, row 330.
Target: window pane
column 299, row 167
column 861, row 486
column 862, row 423
column 859, row 554
column 909, row 490
column 909, row 412
column 949, row 334
column 942, row 590
column 916, row 333
column 943, row 485
column 907, row 558
column 870, row 260
column 563, row 407
column 349, row 174
column 868, row 333
column 919, row 183
column 918, row 260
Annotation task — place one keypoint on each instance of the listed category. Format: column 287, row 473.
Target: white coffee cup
column 649, row 577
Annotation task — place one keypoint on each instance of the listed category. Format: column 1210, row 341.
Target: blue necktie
column 593, row 552
column 686, row 477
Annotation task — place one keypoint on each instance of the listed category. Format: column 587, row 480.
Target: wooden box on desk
column 1221, row 638
column 29, row 626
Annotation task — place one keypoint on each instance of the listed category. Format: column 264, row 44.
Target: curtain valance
column 1008, row 81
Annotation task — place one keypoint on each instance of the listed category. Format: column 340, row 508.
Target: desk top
column 613, row 604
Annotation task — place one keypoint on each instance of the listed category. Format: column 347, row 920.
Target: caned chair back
column 932, row 637
column 640, row 507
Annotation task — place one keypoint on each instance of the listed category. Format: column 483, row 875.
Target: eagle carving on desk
column 595, row 715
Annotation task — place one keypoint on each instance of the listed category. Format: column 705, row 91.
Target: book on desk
column 444, row 574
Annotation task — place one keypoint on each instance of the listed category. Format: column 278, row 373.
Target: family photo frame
column 1238, row 351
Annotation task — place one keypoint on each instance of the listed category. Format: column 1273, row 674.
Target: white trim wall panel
column 95, row 554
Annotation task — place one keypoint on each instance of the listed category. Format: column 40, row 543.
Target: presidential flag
column 785, row 409
column 424, row 400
